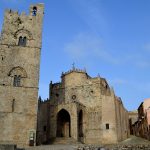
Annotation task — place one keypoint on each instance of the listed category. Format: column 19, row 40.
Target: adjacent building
column 142, row 126
column 133, row 117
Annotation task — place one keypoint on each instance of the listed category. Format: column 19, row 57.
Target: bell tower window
column 34, row 12
column 17, row 80
column 18, row 75
column 22, row 41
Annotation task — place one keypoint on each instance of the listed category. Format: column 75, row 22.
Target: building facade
column 142, row 126
column 20, row 46
column 133, row 117
column 84, row 109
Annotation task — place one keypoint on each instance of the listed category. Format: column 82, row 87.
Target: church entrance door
column 63, row 124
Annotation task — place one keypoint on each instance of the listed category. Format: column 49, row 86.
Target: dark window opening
column 13, row 105
column 57, row 95
column 17, row 80
column 44, row 128
column 2, row 58
column 106, row 86
column 34, row 12
column 107, row 126
column 73, row 97
column 22, row 41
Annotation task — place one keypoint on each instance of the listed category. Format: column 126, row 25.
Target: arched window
column 34, row 12
column 22, row 41
column 18, row 74
column 17, row 80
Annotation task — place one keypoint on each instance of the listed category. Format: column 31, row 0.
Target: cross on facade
column 73, row 66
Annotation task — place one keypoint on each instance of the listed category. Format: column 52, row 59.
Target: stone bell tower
column 20, row 46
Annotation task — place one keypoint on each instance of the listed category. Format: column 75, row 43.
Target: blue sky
column 107, row 37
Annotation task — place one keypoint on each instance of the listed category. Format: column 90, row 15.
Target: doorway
column 63, row 124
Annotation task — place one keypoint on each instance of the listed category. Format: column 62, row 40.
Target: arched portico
column 63, row 124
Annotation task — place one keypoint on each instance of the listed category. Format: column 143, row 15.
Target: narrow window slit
column 13, row 105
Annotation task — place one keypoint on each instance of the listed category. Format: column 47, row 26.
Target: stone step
column 63, row 140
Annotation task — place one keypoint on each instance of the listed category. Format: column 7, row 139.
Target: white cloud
column 10, row 1
column 143, row 64
column 92, row 14
column 118, row 81
column 13, row 2
column 86, row 46
column 147, row 47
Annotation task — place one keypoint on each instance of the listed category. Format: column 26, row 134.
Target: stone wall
column 43, row 122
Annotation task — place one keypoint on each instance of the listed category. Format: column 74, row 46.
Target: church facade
column 84, row 109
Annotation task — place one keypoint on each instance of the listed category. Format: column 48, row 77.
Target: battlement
column 74, row 70
column 10, row 11
column 56, row 85
column 20, row 25
column 33, row 11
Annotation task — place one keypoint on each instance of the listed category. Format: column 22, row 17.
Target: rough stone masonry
column 20, row 46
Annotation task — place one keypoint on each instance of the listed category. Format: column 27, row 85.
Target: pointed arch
column 63, row 124
column 80, row 123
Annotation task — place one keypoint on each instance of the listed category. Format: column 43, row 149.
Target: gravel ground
column 128, row 144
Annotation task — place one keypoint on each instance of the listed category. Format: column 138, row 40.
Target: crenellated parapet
column 19, row 26
column 74, row 70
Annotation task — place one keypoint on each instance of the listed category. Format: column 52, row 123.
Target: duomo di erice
column 80, row 108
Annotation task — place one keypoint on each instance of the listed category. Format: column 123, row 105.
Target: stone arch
column 23, row 33
column 80, row 124
column 63, row 124
column 18, row 71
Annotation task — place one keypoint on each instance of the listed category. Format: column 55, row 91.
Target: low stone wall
column 9, row 147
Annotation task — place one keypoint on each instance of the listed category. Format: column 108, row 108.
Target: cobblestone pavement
column 132, row 143
column 135, row 140
column 54, row 147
